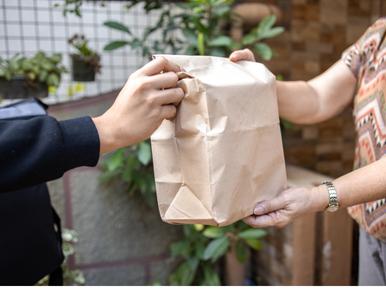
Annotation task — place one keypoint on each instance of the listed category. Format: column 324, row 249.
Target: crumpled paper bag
column 223, row 151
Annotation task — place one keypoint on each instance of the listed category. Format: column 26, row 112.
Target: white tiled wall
column 27, row 26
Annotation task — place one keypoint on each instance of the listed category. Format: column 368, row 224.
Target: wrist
column 319, row 200
column 107, row 139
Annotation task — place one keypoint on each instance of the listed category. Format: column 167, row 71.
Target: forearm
column 318, row 99
column 298, row 101
column 42, row 149
column 359, row 186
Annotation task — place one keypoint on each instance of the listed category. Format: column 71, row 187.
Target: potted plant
column 22, row 77
column 85, row 62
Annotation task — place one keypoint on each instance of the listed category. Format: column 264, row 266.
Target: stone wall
column 317, row 32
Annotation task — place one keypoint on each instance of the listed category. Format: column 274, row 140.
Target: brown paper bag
column 223, row 151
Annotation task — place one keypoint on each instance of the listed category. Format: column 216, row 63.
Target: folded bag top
column 223, row 151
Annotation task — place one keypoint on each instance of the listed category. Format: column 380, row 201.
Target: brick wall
column 317, row 31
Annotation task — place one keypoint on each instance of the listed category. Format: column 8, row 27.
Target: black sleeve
column 42, row 149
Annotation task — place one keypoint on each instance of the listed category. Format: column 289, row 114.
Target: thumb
column 267, row 206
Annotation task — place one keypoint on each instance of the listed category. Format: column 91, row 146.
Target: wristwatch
column 333, row 203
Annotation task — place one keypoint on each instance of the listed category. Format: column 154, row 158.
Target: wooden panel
column 337, row 248
column 303, row 259
column 304, row 231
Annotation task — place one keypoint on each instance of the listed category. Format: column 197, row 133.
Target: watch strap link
column 333, row 202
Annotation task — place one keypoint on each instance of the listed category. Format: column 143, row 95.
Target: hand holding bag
column 223, row 151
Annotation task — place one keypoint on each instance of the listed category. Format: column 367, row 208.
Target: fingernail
column 258, row 210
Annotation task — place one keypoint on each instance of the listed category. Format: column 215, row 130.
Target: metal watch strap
column 333, row 203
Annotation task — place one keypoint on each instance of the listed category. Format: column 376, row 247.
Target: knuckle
column 173, row 77
column 285, row 197
column 145, row 83
column 265, row 206
column 180, row 92
column 151, row 100
column 162, row 61
column 138, row 84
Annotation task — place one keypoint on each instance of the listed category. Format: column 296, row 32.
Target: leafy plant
column 238, row 237
column 84, row 52
column 194, row 269
column 195, row 27
column 202, row 246
column 133, row 167
column 70, row 277
column 39, row 68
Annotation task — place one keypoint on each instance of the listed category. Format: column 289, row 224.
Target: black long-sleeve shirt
column 42, row 149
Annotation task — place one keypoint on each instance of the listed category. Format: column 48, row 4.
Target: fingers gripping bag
column 223, row 151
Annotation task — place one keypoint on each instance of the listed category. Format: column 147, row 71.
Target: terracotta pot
column 252, row 13
column 18, row 88
column 235, row 271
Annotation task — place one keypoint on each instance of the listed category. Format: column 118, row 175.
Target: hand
column 144, row 102
column 239, row 55
column 288, row 205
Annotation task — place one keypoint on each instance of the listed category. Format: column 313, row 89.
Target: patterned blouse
column 367, row 60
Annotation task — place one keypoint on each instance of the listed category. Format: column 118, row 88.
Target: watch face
column 332, row 208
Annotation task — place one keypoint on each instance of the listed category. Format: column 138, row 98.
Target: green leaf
column 249, row 39
column 254, row 244
column 117, row 26
column 136, row 43
column 218, row 51
column 242, row 252
column 221, row 41
column 266, row 23
column 180, row 248
column 216, row 249
column 222, row 10
column 252, row 234
column 211, row 277
column 213, row 232
column 272, row 32
column 115, row 45
column 56, row 58
column 199, row 249
column 115, row 160
column 144, row 153
column 43, row 76
column 185, row 273
column 53, row 80
column 263, row 50
column 286, row 124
